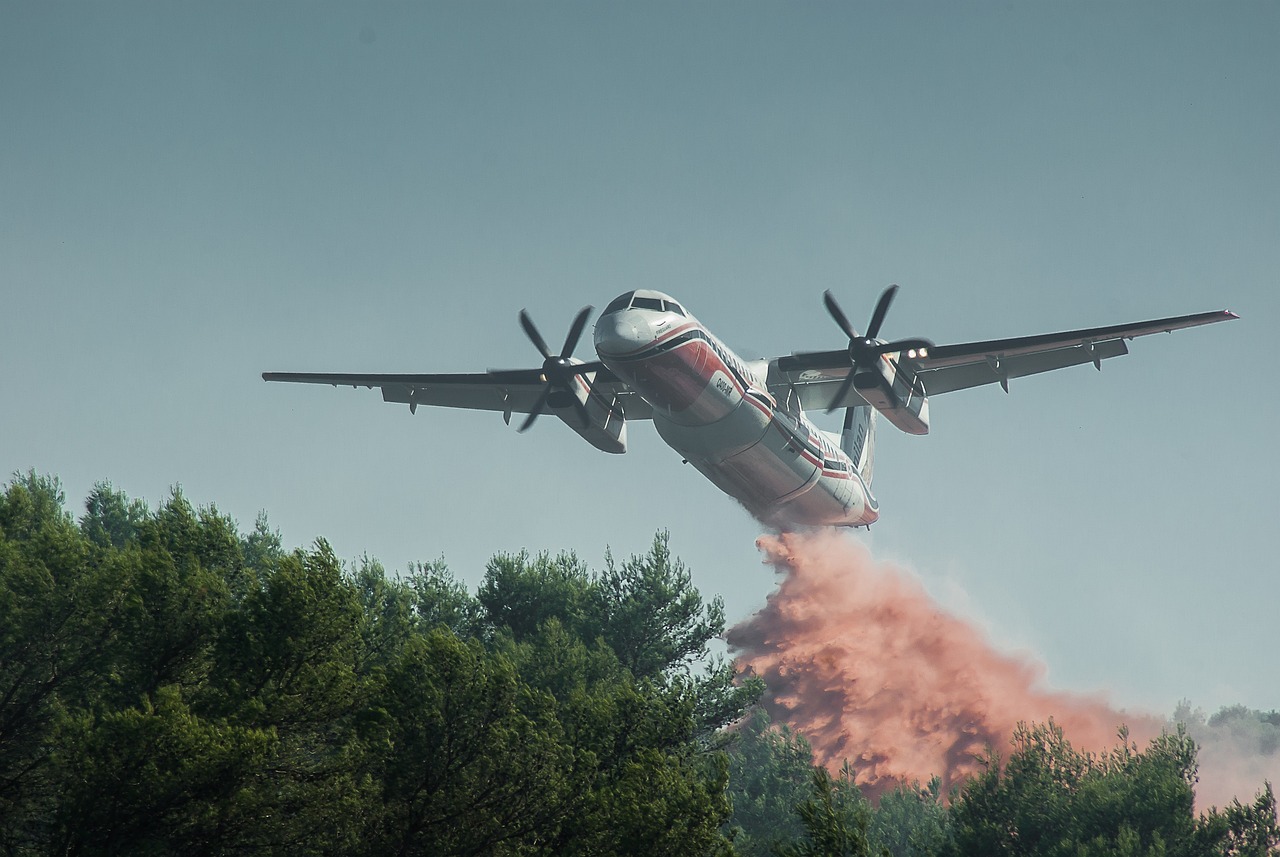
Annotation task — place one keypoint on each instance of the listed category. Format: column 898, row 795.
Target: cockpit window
column 630, row 299
column 620, row 302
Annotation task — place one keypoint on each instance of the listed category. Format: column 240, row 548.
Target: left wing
column 817, row 376
column 508, row 391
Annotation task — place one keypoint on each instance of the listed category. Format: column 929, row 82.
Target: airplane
column 743, row 423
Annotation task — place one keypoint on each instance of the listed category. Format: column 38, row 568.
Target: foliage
column 835, row 818
column 648, row 612
column 1050, row 799
column 911, row 821
column 770, row 774
column 169, row 684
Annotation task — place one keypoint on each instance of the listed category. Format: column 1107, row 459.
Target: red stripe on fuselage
column 678, row 380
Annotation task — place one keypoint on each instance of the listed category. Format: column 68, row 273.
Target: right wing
column 505, row 390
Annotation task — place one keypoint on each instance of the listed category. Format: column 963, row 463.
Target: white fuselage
column 714, row 409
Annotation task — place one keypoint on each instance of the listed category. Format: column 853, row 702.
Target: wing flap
column 480, row 397
column 975, row 374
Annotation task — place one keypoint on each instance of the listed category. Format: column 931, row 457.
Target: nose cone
column 623, row 333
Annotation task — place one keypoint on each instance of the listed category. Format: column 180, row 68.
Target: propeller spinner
column 864, row 351
column 558, row 370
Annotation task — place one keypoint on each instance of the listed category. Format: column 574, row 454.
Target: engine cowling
column 606, row 425
column 897, row 393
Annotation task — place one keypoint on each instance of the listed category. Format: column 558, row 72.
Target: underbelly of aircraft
column 706, row 408
column 752, row 458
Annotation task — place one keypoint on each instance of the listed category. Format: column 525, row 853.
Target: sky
column 192, row 194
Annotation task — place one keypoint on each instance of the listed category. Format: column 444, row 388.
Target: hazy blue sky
column 191, row 194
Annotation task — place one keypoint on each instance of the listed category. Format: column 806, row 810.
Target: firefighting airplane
column 742, row 423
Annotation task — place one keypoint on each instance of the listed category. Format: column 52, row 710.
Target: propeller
column 558, row 370
column 864, row 351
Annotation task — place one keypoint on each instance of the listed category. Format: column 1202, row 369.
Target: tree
column 170, row 684
column 477, row 759
column 519, row 594
column 288, row 660
column 632, row 716
column 59, row 616
column 1050, row 799
column 155, row 779
column 111, row 518
column 651, row 615
column 835, row 818
column 1251, row 829
column 439, row 599
column 770, row 774
column 911, row 821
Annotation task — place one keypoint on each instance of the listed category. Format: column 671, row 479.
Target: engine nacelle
column 907, row 406
column 607, row 427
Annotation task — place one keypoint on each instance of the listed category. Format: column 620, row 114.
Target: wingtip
column 1229, row 314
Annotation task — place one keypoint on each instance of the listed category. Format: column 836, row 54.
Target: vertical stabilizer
column 858, row 439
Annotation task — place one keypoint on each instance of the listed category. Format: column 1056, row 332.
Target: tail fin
column 858, row 439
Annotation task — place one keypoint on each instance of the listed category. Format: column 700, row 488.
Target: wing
column 815, row 376
column 507, row 391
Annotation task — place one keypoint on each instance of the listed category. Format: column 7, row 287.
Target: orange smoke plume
column 861, row 661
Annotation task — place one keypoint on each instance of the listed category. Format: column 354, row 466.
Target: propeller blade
column 882, row 307
column 844, row 390
column 532, row 332
column 838, row 314
column 575, row 331
column 537, row 409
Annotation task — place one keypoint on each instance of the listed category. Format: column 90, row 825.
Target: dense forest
column 169, row 684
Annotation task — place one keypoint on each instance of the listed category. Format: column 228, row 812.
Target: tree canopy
column 170, row 684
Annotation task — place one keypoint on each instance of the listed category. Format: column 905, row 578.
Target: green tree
column 911, row 821
column 59, row 615
column 170, row 684
column 770, row 774
column 388, row 619
column 110, row 518
column 288, row 661
column 1243, row 830
column 560, row 625
column 835, row 818
column 439, row 599
column 1050, row 799
column 155, row 779
column 1251, row 829
column 175, row 575
column 519, row 594
column 647, row 786
column 477, row 764
column 651, row 615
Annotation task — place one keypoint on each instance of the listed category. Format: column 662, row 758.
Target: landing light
column 918, row 352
